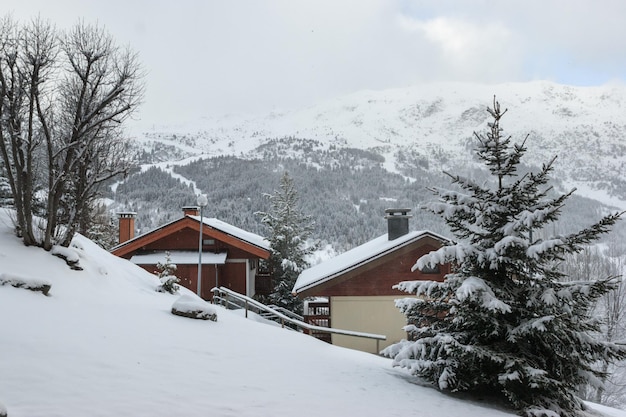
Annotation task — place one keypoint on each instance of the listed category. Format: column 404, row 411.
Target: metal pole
column 200, row 256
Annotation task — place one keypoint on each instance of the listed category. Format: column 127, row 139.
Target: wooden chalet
column 353, row 291
column 230, row 256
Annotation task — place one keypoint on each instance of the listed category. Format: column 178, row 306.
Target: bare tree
column 64, row 96
column 27, row 57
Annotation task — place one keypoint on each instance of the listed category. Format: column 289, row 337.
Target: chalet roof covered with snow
column 241, row 234
column 213, row 223
column 356, row 257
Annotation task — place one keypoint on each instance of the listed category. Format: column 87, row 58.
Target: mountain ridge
column 582, row 125
column 417, row 132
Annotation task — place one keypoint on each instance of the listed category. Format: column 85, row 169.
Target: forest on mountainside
column 346, row 191
column 153, row 194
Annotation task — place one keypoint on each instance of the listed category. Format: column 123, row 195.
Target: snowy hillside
column 584, row 126
column 103, row 343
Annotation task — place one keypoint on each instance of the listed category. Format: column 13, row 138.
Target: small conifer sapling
column 166, row 271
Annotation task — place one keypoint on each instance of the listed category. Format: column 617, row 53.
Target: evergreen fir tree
column 6, row 198
column 100, row 227
column 289, row 231
column 505, row 321
column 166, row 271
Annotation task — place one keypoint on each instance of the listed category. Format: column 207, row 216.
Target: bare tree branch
column 63, row 97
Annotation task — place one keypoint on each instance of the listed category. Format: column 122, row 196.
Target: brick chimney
column 397, row 222
column 127, row 225
column 191, row 211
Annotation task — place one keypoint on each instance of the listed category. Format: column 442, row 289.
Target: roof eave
column 324, row 279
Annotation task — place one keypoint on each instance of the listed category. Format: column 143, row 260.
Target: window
column 430, row 269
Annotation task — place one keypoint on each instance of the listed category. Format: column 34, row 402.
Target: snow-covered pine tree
column 6, row 199
column 100, row 227
column 289, row 230
column 166, row 271
column 505, row 321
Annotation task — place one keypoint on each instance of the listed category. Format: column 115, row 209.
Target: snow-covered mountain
column 584, row 126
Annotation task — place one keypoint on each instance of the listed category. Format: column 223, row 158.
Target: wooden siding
column 183, row 235
column 187, row 239
column 263, row 284
column 378, row 276
column 188, row 276
column 234, row 276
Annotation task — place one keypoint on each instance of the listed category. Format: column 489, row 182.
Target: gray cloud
column 210, row 57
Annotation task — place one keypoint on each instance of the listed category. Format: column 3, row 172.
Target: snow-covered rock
column 193, row 307
column 68, row 254
column 29, row 283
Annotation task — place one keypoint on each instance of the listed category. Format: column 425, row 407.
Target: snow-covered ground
column 104, row 343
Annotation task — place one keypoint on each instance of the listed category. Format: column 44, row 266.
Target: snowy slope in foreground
column 104, row 343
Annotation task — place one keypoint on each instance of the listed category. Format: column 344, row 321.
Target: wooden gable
column 183, row 235
column 378, row 275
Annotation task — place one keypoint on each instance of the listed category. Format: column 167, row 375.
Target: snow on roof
column 241, row 234
column 229, row 229
column 355, row 257
column 180, row 257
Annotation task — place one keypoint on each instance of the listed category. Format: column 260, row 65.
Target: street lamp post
column 202, row 202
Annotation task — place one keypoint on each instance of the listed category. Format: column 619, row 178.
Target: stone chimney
column 127, row 225
column 191, row 211
column 397, row 222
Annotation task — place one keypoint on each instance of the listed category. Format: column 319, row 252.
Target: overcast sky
column 207, row 57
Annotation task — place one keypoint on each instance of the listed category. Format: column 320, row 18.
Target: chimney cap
column 397, row 222
column 191, row 210
column 393, row 212
column 126, row 214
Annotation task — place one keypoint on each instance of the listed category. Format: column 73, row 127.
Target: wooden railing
column 317, row 313
column 286, row 312
column 231, row 299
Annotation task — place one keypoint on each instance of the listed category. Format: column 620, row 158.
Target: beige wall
column 367, row 314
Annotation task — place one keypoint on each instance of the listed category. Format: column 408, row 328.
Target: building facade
column 358, row 284
column 230, row 256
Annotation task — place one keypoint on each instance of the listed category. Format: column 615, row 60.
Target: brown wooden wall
column 188, row 275
column 379, row 276
column 187, row 239
column 234, row 277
